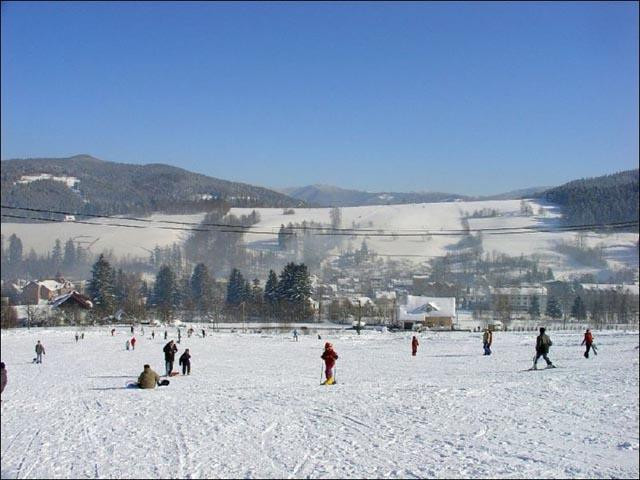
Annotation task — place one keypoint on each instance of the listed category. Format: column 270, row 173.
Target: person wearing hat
column 414, row 345
column 185, row 361
column 588, row 341
column 543, row 343
column 329, row 356
column 148, row 378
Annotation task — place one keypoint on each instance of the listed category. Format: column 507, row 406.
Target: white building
column 520, row 298
column 430, row 312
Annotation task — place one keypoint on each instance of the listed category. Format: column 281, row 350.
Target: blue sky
column 472, row 98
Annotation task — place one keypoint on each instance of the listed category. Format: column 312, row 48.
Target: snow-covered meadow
column 620, row 249
column 254, row 407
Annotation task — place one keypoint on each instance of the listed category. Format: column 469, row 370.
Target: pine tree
column 69, row 259
column 101, row 287
column 534, row 308
column 579, row 309
column 236, row 288
column 15, row 251
column 165, row 292
column 271, row 288
column 553, row 309
column 201, row 289
column 56, row 254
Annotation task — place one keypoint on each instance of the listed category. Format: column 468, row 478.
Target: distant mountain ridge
column 86, row 184
column 331, row 196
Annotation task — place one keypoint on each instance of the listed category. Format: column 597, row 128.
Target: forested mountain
column 606, row 199
column 88, row 185
column 330, row 196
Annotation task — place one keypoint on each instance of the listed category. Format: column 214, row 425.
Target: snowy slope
column 620, row 248
column 253, row 407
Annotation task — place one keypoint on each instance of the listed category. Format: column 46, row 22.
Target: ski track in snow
column 253, row 407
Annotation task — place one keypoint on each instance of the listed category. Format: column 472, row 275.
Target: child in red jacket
column 588, row 341
column 414, row 346
column 329, row 356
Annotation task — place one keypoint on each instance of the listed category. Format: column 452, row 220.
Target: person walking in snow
column 414, row 345
column 165, row 334
column 113, row 330
column 133, row 343
column 185, row 361
column 295, row 334
column 169, row 350
column 203, row 333
column 588, row 341
column 329, row 356
column 487, row 340
column 132, row 329
column 39, row 352
column 3, row 377
column 543, row 343
column 77, row 337
column 126, row 344
column 82, row 336
column 153, row 334
column 148, row 378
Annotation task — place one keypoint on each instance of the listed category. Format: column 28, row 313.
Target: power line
column 506, row 230
column 330, row 230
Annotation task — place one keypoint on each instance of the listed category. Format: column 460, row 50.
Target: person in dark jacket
column 329, row 356
column 543, row 343
column 170, row 350
column 3, row 377
column 414, row 345
column 39, row 352
column 185, row 361
column 588, row 341
column 487, row 340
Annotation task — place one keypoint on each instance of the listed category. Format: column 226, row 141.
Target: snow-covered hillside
column 620, row 248
column 253, row 408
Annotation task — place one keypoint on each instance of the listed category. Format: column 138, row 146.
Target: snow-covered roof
column 632, row 289
column 419, row 307
column 389, row 295
column 52, row 285
column 72, row 296
column 519, row 291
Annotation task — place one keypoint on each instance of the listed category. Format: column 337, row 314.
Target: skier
column 148, row 378
column 126, row 345
column 588, row 341
column 76, row 337
column 39, row 352
column 329, row 356
column 295, row 334
column 414, row 345
column 543, row 342
column 487, row 340
column 185, row 361
column 169, row 350
column 133, row 343
column 3, row 377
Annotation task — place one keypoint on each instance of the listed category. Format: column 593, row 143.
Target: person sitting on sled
column 329, row 356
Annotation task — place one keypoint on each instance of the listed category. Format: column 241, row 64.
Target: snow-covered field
column 620, row 248
column 253, row 407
